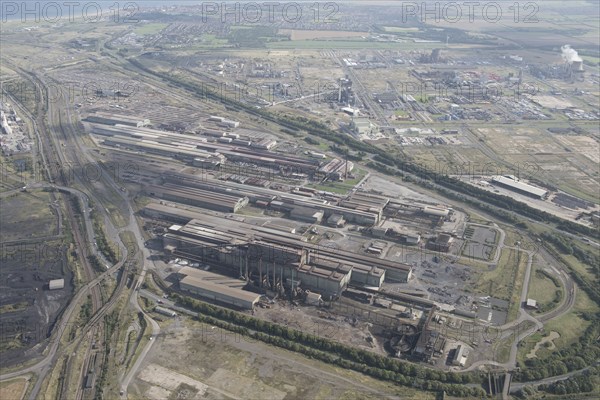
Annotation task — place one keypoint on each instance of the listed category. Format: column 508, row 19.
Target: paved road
column 167, row 303
column 507, row 329
column 519, row 385
column 500, row 244
column 133, row 300
column 45, row 365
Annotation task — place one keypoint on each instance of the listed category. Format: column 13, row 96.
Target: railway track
column 51, row 154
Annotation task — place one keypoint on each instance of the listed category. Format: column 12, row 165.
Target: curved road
column 42, row 367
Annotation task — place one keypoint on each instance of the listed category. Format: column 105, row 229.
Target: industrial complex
column 372, row 201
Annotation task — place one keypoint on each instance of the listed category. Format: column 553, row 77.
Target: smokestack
column 520, row 75
column 346, row 170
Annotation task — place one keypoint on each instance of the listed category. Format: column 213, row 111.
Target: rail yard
column 375, row 206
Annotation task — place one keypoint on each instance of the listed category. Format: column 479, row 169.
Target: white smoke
column 569, row 55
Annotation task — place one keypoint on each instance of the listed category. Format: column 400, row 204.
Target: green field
column 503, row 282
column 572, row 325
column 541, row 288
column 569, row 326
column 500, row 282
column 239, row 27
column 348, row 44
column 400, row 29
column 150, row 29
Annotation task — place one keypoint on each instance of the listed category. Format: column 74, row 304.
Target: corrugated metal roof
column 215, row 283
column 520, row 185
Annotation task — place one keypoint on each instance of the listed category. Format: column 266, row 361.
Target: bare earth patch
column 548, row 339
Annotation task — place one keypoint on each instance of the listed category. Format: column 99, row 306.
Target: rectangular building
column 517, row 186
column 442, row 243
column 199, row 197
column 460, row 356
column 116, row 119
column 56, row 284
column 307, row 214
column 216, row 287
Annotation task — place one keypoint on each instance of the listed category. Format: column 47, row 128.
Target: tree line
column 330, row 351
column 388, row 164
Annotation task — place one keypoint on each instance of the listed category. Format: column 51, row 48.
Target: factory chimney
column 577, row 66
column 346, row 166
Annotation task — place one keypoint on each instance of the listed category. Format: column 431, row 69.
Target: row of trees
column 558, row 293
column 581, row 383
column 105, row 248
column 561, row 246
column 584, row 352
column 95, row 263
column 330, row 351
column 110, row 324
column 502, row 207
column 567, row 246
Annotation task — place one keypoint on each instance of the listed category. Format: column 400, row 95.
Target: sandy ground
column 190, row 358
column 13, row 390
column 393, row 189
column 548, row 339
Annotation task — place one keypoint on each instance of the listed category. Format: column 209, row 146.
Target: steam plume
column 569, row 55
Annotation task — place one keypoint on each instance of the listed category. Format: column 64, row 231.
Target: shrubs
column 333, row 352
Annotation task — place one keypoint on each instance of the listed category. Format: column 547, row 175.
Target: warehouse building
column 399, row 232
column 218, row 288
column 357, row 216
column 460, row 356
column 410, row 237
column 441, row 243
column 325, row 277
column 337, row 169
column 264, row 144
column 176, row 145
column 55, row 284
column 169, row 213
column 369, row 199
column 211, row 161
column 362, row 126
column 285, row 201
column 306, row 214
column 243, row 246
column 365, row 275
column 254, row 194
column 182, row 152
column 336, row 220
column 116, row 119
column 436, row 211
column 514, row 184
column 199, row 197
column 366, row 202
column 222, row 121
